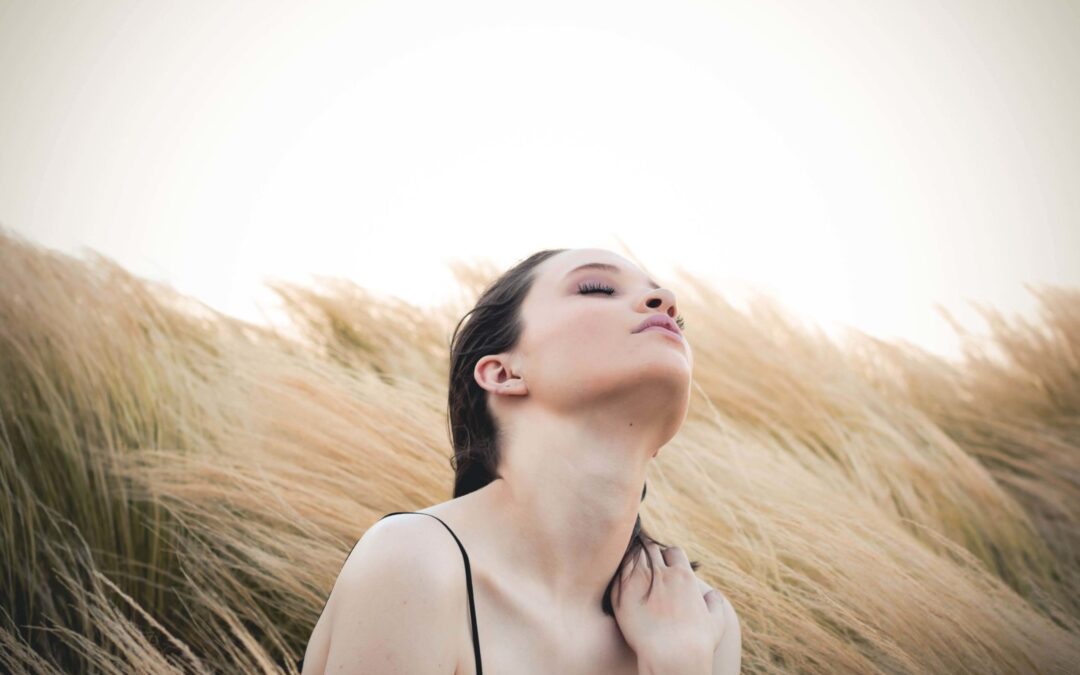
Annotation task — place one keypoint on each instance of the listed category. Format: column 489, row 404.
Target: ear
column 493, row 372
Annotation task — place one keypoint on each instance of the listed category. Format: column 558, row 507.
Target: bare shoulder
column 408, row 546
column 402, row 578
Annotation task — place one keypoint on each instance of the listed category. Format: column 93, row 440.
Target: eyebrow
column 608, row 268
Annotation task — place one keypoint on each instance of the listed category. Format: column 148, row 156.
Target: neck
column 566, row 504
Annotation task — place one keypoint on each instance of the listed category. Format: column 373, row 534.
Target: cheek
column 603, row 362
column 575, row 350
column 573, row 344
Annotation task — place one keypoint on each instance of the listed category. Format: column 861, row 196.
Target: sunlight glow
column 862, row 161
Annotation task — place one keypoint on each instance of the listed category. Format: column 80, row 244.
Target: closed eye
column 587, row 288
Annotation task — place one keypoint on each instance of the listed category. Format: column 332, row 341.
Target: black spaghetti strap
column 468, row 585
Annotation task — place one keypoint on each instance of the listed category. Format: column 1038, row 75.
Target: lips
column 661, row 320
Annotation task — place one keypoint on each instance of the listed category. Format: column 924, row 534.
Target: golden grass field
column 180, row 488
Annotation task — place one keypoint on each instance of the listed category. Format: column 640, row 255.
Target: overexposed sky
column 861, row 160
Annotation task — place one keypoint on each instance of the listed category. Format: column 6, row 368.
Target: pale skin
column 585, row 404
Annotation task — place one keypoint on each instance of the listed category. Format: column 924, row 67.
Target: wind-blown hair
column 494, row 326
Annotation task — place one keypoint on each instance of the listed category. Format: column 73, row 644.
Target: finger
column 715, row 600
column 676, row 557
column 654, row 555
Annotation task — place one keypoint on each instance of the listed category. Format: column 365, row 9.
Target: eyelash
column 587, row 288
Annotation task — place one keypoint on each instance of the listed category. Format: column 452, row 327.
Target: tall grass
column 180, row 488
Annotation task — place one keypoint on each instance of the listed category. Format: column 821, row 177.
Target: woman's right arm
column 396, row 605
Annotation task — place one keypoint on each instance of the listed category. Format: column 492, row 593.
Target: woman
column 558, row 400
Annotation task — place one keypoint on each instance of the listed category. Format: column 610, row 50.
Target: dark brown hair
column 494, row 326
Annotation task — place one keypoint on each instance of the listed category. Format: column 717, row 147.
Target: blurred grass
column 180, row 488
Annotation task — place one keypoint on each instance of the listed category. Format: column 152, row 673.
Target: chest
column 520, row 639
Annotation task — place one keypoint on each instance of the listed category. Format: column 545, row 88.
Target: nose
column 660, row 298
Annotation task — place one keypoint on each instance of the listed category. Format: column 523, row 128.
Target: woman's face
column 578, row 346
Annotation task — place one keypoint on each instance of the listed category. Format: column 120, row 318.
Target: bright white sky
column 860, row 160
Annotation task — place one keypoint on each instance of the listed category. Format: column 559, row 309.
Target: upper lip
column 662, row 320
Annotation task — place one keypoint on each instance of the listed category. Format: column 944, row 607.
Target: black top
column 468, row 585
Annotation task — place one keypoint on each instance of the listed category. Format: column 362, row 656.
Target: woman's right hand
column 674, row 621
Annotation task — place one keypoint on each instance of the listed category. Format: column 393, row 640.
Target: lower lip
column 673, row 335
